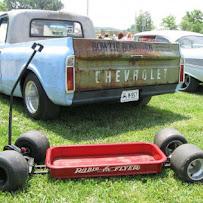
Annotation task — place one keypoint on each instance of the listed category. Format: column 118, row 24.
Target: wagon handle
column 37, row 48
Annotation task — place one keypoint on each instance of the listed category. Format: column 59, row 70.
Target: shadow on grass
column 98, row 121
column 199, row 90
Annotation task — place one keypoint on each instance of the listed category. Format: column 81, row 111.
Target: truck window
column 55, row 28
column 161, row 39
column 3, row 29
column 191, row 42
column 147, row 38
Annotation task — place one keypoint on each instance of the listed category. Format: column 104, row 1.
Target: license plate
column 130, row 95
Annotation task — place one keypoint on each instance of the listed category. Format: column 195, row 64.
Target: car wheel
column 36, row 102
column 13, row 170
column 143, row 101
column 187, row 162
column 190, row 84
column 33, row 144
column 168, row 140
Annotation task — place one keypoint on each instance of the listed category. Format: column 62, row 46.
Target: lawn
column 107, row 123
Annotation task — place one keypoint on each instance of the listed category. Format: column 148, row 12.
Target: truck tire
column 187, row 162
column 143, row 101
column 190, row 84
column 13, row 170
column 36, row 102
column 33, row 144
column 168, row 140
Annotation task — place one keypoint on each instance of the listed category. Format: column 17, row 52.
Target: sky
column 121, row 13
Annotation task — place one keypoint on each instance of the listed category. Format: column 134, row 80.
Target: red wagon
column 98, row 160
column 78, row 161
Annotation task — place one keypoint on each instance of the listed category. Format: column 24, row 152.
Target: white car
column 191, row 45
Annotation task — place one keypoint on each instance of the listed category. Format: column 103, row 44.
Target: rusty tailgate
column 107, row 64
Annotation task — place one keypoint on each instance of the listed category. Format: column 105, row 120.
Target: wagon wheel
column 187, row 162
column 168, row 140
column 33, row 144
column 13, row 170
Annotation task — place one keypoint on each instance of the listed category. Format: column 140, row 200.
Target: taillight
column 182, row 76
column 70, row 74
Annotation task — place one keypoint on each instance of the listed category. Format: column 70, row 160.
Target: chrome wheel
column 187, row 82
column 31, row 97
column 195, row 170
column 172, row 146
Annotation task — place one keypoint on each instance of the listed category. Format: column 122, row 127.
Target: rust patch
column 109, row 49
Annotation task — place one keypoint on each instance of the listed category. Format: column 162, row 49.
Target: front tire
column 36, row 102
column 190, row 84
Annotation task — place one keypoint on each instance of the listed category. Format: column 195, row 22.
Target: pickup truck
column 75, row 68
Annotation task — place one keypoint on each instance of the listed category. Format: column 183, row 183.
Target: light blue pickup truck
column 76, row 68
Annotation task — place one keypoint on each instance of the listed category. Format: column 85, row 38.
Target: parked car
column 191, row 45
column 76, row 68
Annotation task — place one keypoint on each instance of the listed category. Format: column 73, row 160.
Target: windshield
column 191, row 42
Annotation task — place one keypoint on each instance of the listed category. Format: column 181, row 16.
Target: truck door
column 3, row 35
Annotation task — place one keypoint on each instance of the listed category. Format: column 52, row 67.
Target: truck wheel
column 13, row 170
column 33, row 144
column 187, row 162
column 168, row 140
column 143, row 101
column 190, row 84
column 36, row 102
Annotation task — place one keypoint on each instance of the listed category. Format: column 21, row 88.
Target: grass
column 107, row 123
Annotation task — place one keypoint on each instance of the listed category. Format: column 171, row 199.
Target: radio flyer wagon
column 170, row 148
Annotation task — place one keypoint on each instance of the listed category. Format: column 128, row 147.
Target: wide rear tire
column 168, row 140
column 187, row 162
column 34, row 144
column 13, row 170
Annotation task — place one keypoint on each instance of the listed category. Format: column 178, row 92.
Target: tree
column 169, row 23
column 2, row 6
column 132, row 28
column 144, row 22
column 34, row 4
column 193, row 21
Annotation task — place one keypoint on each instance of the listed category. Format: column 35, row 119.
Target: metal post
column 87, row 7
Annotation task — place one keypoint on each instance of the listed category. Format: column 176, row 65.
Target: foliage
column 132, row 28
column 34, row 4
column 110, row 123
column 144, row 22
column 193, row 21
column 2, row 6
column 169, row 23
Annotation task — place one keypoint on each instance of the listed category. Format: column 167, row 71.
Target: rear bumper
column 115, row 94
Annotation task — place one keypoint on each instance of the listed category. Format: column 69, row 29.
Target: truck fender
column 31, row 69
